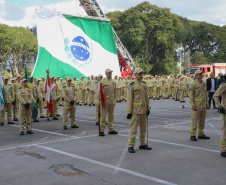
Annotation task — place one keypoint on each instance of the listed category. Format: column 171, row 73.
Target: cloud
column 201, row 10
column 11, row 11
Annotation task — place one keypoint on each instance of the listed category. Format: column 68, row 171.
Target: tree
column 14, row 47
column 199, row 58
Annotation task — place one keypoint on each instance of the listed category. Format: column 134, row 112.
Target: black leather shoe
column 42, row 117
column 2, row 124
column 74, row 126
column 131, row 150
column 22, row 133
column 55, row 118
column 65, row 127
column 29, row 132
column 93, row 104
column 51, row 116
column 36, row 120
column 10, row 123
column 85, row 104
column 193, row 138
column 113, row 132
column 203, row 137
column 145, row 147
column 45, row 107
column 223, row 154
column 58, row 115
column 80, row 104
column 97, row 123
column 102, row 134
column 15, row 119
column 90, row 105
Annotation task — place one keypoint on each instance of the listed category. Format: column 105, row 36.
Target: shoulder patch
column 132, row 83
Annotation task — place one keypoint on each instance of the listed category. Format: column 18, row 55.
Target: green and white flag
column 75, row 46
column 2, row 92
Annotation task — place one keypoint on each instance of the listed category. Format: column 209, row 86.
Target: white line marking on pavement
column 44, row 131
column 121, row 159
column 210, row 124
column 108, row 166
column 176, row 144
column 10, row 148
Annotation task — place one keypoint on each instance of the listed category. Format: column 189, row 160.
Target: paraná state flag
column 75, row 46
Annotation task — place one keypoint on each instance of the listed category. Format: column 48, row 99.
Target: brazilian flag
column 34, row 102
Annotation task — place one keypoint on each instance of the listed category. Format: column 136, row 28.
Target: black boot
column 131, row 150
column 10, row 123
column 203, row 137
column 102, row 134
column 113, row 132
column 58, row 115
column 145, row 147
column 193, row 138
column 65, row 127
column 55, row 118
column 29, row 132
column 22, row 133
column 93, row 104
column 97, row 123
column 90, row 105
column 15, row 119
column 74, row 126
column 223, row 154
column 2, row 124
column 36, row 120
column 42, row 117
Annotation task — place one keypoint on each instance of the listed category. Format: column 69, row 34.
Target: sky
column 21, row 12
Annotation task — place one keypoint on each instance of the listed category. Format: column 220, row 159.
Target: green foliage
column 11, row 40
column 152, row 34
column 199, row 58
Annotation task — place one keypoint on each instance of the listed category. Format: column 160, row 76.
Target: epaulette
column 132, row 83
column 104, row 80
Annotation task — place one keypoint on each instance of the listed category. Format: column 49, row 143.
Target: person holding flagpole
column 55, row 94
column 108, row 105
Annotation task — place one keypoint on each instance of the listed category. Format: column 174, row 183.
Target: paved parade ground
column 52, row 156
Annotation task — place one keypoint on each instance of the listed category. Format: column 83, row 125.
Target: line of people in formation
column 135, row 90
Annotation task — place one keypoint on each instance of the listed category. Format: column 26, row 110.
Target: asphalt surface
column 52, row 156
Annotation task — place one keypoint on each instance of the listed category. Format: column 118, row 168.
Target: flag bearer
column 109, row 87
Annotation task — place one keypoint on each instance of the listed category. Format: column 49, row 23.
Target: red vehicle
column 207, row 68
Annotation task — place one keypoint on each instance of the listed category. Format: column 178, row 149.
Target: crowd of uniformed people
column 136, row 91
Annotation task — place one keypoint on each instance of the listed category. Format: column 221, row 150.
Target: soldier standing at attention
column 17, row 85
column 69, row 95
column 221, row 92
column 9, row 97
column 39, row 97
column 199, row 102
column 138, row 110
column 96, row 89
column 109, row 87
column 25, row 104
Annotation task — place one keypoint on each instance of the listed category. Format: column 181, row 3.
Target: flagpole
column 99, row 110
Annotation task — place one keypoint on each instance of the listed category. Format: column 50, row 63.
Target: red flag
column 103, row 95
column 49, row 96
